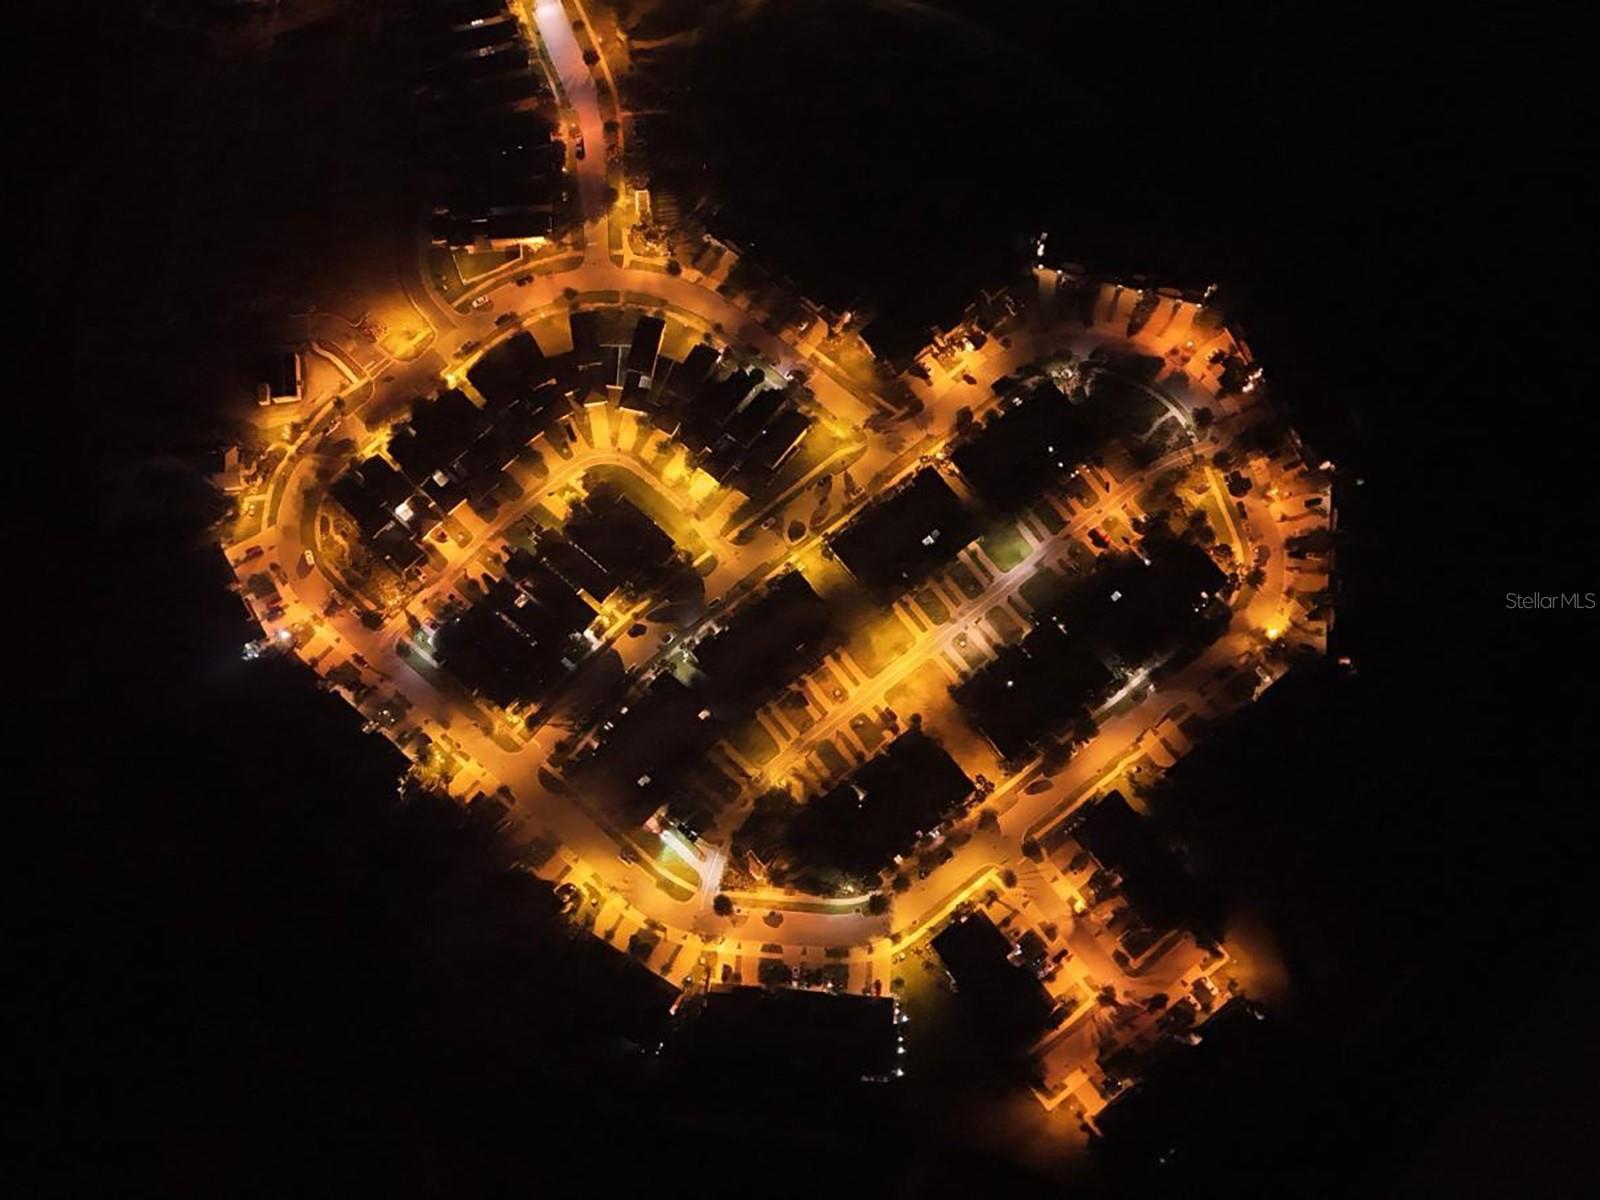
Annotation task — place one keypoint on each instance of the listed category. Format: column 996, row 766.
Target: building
column 1008, row 1002
column 1152, row 877
column 766, row 642
column 284, row 381
column 882, row 809
column 1033, row 440
column 898, row 540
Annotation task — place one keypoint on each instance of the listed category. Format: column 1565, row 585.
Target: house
column 285, row 379
column 899, row 539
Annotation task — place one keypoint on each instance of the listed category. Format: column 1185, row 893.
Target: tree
column 877, row 904
column 1008, row 877
column 987, row 821
column 1203, row 417
column 591, row 57
column 1084, row 726
column 901, row 882
column 1055, row 757
column 722, row 905
column 674, row 267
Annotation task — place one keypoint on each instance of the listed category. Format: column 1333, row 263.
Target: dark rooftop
column 1153, row 878
column 510, row 371
column 658, row 739
column 1137, row 611
column 688, row 377
column 880, row 808
column 789, row 1037
column 646, row 343
column 1009, row 1000
column 610, row 529
column 1032, row 689
column 765, row 642
column 1029, row 443
column 896, row 541
column 516, row 642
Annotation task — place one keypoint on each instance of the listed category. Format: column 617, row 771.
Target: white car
column 480, row 302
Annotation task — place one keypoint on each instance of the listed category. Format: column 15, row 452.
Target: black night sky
column 243, row 970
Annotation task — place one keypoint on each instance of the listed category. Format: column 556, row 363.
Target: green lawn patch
column 1005, row 625
column 1005, row 546
column 473, row 263
column 445, row 276
column 878, row 644
column 833, row 762
column 965, row 580
column 1048, row 517
column 971, row 654
column 1042, row 589
column 796, row 711
column 869, row 732
column 932, row 607
column 754, row 744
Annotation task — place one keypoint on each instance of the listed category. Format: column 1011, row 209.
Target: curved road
column 593, row 849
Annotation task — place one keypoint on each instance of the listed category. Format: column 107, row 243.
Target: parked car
column 577, row 147
column 481, row 302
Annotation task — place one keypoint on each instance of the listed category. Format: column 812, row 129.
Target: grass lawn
column 925, row 688
column 933, row 607
column 971, row 654
column 1041, row 589
column 878, row 644
column 445, row 276
column 471, row 264
column 870, row 733
column 754, row 744
column 1004, row 545
column 833, row 762
column 1048, row 516
column 1214, row 514
column 965, row 580
column 796, row 711
column 1005, row 625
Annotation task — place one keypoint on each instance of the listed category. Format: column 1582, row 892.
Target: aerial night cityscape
column 942, row 598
